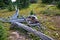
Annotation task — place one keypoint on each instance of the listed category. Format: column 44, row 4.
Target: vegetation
column 11, row 6
column 49, row 12
column 3, row 32
column 22, row 3
column 43, row 11
column 34, row 37
column 58, row 4
column 47, row 1
column 31, row 13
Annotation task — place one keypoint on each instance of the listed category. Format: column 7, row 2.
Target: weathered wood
column 37, row 33
column 15, row 16
column 17, row 20
column 41, row 35
column 14, row 20
column 4, row 20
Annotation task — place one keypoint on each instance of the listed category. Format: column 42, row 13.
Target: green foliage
column 10, row 5
column 58, row 4
column 11, row 8
column 3, row 33
column 34, row 37
column 1, row 4
column 56, row 0
column 4, row 3
column 47, row 1
column 33, row 1
column 22, row 3
column 46, row 12
column 31, row 13
column 51, row 12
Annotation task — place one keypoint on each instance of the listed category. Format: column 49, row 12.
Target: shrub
column 34, row 37
column 56, row 0
column 3, row 33
column 51, row 12
column 31, row 13
column 33, row 1
column 11, row 8
column 58, row 4
column 47, row 1
column 22, row 3
column 46, row 12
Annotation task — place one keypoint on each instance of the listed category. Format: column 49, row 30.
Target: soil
column 56, row 20
column 15, row 35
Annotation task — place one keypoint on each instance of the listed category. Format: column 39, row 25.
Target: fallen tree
column 15, row 21
column 29, row 29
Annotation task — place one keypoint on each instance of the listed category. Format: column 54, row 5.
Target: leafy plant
column 11, row 8
column 58, row 4
column 31, row 13
column 3, row 33
column 22, row 3
column 51, row 12
column 34, row 37
column 47, row 1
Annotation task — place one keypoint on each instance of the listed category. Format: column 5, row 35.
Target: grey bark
column 15, row 16
column 27, row 28
column 37, row 33
column 17, row 20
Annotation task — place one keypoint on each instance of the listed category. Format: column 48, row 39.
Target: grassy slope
column 46, row 20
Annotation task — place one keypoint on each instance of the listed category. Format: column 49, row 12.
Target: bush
column 22, row 3
column 3, row 33
column 11, row 8
column 58, row 4
column 31, row 13
column 34, row 37
column 57, row 0
column 47, row 1
column 46, row 12
column 33, row 1
column 51, row 12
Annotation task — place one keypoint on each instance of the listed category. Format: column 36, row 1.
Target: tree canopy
column 19, row 3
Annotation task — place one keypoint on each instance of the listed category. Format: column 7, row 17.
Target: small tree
column 11, row 6
column 31, row 13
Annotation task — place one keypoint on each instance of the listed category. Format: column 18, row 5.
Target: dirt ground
column 15, row 35
column 56, row 20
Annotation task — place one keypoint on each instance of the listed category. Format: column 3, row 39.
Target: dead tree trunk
column 37, row 33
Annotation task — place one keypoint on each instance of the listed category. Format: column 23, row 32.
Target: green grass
column 3, row 32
